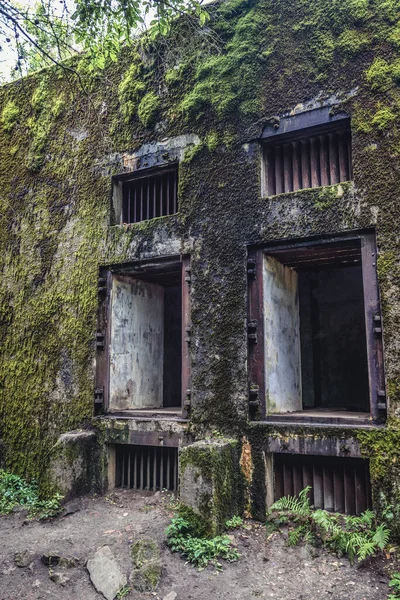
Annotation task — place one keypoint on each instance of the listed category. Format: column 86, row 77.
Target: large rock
column 105, row 573
column 211, row 484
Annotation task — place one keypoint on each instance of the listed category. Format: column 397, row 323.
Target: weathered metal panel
column 340, row 485
column 146, row 467
column 136, row 344
column 282, row 338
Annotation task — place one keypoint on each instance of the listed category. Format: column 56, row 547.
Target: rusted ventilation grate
column 338, row 484
column 309, row 162
column 146, row 467
column 150, row 196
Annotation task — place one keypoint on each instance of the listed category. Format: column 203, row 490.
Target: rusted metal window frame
column 123, row 202
column 103, row 334
column 372, row 315
column 310, row 134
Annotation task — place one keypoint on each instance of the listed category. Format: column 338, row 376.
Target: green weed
column 196, row 550
column 355, row 537
column 15, row 491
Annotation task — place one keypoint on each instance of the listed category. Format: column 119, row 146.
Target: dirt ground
column 267, row 568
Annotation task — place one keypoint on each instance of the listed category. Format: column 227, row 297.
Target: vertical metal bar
column 297, row 475
column 323, row 156
column 148, row 200
column 135, row 471
column 129, row 469
column 376, row 375
column 278, row 170
column 296, row 167
column 168, row 485
column 305, row 163
column 141, row 199
column 333, row 159
column 123, row 469
column 135, row 203
column 349, row 155
column 154, row 478
column 175, row 191
column 308, row 477
column 161, row 196
column 168, row 195
column 288, row 477
column 154, row 197
column 317, row 485
column 338, row 487
column 162, row 469
column 367, row 483
column 314, row 166
column 148, row 468
column 349, row 488
column 343, row 160
column 271, row 172
column 327, row 475
column 287, row 168
column 141, row 469
column 360, row 488
column 175, row 470
column 128, row 203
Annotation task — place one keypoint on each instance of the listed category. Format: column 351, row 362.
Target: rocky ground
column 50, row 560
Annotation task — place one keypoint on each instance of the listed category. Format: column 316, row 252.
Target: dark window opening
column 318, row 157
column 332, row 338
column 148, row 196
column 315, row 334
column 337, row 484
column 146, row 340
column 146, row 467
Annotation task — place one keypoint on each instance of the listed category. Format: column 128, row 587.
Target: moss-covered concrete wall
column 59, row 147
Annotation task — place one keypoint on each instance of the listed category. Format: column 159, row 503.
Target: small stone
column 36, row 583
column 170, row 596
column 24, row 558
column 58, row 577
column 146, row 578
column 105, row 573
column 71, row 508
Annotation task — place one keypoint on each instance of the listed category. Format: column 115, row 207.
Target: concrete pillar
column 211, row 483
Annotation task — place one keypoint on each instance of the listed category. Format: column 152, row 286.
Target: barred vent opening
column 150, row 196
column 146, row 467
column 309, row 162
column 340, row 485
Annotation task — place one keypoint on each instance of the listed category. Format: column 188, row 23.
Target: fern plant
column 196, row 550
column 395, row 584
column 352, row 536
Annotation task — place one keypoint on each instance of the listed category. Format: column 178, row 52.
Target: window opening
column 148, row 196
column 306, row 150
column 315, row 339
column 146, row 467
column 146, row 340
column 337, row 484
